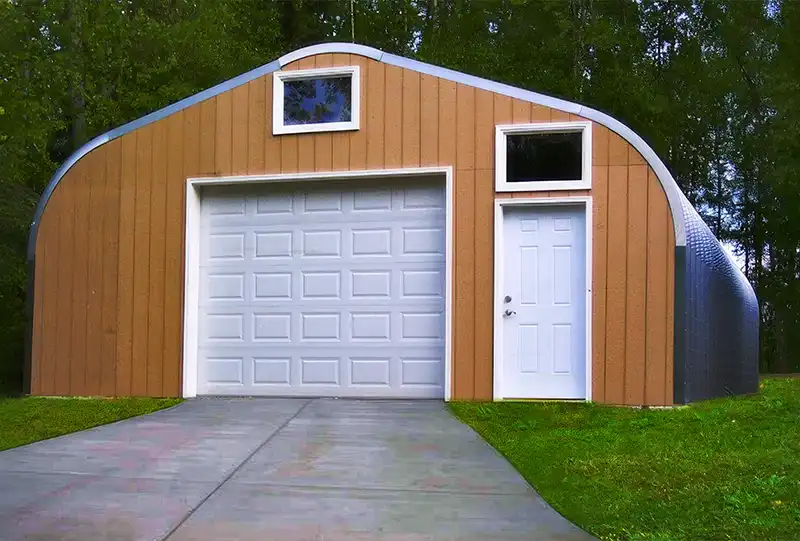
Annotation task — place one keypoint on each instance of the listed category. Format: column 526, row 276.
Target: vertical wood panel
column 80, row 270
column 341, row 59
column 358, row 139
column 289, row 154
column 157, row 255
column 521, row 112
column 208, row 127
column 615, row 284
column 464, row 286
column 465, row 127
column 224, row 134
column 239, row 129
column 37, row 340
column 340, row 141
column 375, row 112
column 670, row 398
column 256, row 126
column 540, row 113
column 272, row 144
column 656, row 319
column 47, row 269
column 193, row 146
column 503, row 110
column 636, row 285
column 173, row 271
column 447, row 122
column 62, row 359
column 484, row 132
column 557, row 115
column 323, row 152
column 141, row 260
column 94, row 308
column 599, row 144
column 429, row 120
column 127, row 217
column 323, row 142
column 599, row 272
column 305, row 152
column 308, row 62
column 340, row 152
column 411, row 125
column 617, row 150
column 393, row 118
column 323, row 60
column 484, row 280
column 634, row 158
column 484, row 244
column 110, row 256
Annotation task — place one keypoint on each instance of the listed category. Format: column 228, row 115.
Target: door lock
column 507, row 299
column 509, row 313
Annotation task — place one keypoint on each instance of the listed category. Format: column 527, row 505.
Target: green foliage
column 25, row 420
column 714, row 86
column 725, row 469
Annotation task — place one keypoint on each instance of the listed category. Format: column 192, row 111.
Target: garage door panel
column 371, row 372
column 356, row 243
column 327, row 292
column 317, row 284
column 409, row 324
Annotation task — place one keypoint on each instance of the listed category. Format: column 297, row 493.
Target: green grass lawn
column 726, row 469
column 29, row 419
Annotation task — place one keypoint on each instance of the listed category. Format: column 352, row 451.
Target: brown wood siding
column 108, row 321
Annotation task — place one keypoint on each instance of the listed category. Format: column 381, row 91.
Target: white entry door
column 543, row 301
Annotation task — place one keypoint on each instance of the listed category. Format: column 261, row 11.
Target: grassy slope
column 25, row 420
column 719, row 470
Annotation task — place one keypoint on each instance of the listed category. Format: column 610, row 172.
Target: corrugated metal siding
column 717, row 347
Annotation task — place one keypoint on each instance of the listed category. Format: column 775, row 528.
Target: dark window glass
column 317, row 101
column 535, row 157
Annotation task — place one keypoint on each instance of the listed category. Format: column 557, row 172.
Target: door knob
column 509, row 313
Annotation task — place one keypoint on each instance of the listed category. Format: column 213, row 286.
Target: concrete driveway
column 273, row 469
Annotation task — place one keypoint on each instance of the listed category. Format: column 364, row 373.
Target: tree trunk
column 77, row 103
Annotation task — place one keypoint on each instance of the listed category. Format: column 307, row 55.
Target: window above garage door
column 316, row 100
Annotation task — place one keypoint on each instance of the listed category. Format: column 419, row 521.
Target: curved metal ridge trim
column 335, row 47
column 129, row 127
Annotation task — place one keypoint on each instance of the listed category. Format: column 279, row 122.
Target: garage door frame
column 192, row 253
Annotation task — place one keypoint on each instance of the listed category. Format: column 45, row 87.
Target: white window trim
column 278, row 79
column 501, row 133
column 191, row 278
column 500, row 205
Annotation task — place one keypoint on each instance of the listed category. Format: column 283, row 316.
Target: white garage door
column 322, row 290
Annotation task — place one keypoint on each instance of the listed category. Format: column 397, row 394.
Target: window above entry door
column 543, row 157
column 316, row 100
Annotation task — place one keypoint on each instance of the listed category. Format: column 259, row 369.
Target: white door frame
column 499, row 277
column 191, row 284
